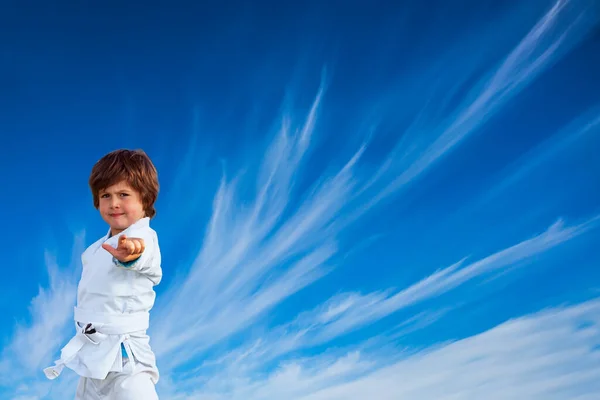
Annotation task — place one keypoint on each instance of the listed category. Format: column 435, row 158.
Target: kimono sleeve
column 149, row 263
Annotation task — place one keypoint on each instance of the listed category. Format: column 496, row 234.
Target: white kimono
column 116, row 300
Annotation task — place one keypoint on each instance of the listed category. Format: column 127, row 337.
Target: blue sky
column 358, row 200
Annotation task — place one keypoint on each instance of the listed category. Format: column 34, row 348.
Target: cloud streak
column 255, row 255
column 51, row 311
column 36, row 344
column 348, row 312
column 553, row 35
column 552, row 354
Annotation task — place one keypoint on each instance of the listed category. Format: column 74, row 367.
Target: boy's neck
column 115, row 232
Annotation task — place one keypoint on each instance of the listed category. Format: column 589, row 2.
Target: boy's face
column 120, row 206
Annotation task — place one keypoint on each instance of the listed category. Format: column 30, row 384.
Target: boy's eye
column 124, row 194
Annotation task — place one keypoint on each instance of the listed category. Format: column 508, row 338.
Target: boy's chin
column 116, row 225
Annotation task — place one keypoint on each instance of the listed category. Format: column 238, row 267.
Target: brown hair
column 132, row 166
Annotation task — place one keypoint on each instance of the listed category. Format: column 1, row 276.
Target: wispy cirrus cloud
column 427, row 140
column 51, row 311
column 349, row 312
column 35, row 344
column 552, row 354
column 256, row 254
column 584, row 131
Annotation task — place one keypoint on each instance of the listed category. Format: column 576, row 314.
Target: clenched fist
column 128, row 249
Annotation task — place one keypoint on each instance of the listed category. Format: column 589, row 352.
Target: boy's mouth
column 116, row 215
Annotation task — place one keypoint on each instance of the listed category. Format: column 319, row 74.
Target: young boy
column 111, row 351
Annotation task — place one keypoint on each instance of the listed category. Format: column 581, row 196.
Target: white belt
column 114, row 324
column 104, row 324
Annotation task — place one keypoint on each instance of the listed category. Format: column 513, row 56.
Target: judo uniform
column 111, row 351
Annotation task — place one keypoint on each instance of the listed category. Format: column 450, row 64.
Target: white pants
column 118, row 386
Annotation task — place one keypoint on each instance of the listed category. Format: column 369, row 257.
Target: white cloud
column 257, row 254
column 553, row 354
column 557, row 32
column 36, row 343
column 578, row 133
column 348, row 312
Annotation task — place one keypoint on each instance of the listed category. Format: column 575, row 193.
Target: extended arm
column 140, row 253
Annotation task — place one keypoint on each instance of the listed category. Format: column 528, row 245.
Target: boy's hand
column 128, row 249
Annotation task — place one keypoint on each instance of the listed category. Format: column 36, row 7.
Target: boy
column 111, row 351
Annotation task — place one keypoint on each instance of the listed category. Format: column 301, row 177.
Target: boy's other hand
column 128, row 249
